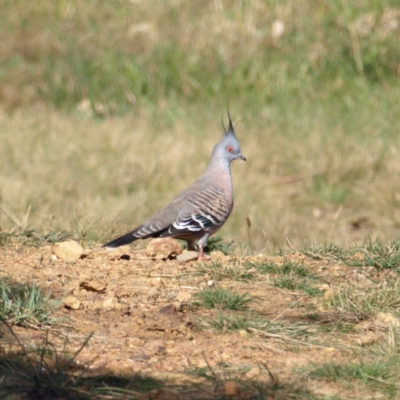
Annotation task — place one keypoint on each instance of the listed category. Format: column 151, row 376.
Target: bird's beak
column 242, row 157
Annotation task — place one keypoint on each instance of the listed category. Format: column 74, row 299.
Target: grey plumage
column 202, row 209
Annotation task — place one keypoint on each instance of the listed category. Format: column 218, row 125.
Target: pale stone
column 93, row 285
column 363, row 326
column 118, row 252
column 164, row 394
column 69, row 251
column 277, row 29
column 329, row 349
column 72, row 302
column 183, row 297
column 386, row 319
column 231, row 388
column 51, row 272
column 243, row 333
column 108, row 303
column 187, row 256
column 218, row 256
column 255, row 371
column 367, row 339
column 163, row 248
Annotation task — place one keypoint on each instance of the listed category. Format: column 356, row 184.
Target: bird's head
column 229, row 148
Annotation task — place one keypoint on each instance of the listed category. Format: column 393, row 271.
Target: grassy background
column 109, row 108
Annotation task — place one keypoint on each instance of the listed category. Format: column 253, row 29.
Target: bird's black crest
column 230, row 130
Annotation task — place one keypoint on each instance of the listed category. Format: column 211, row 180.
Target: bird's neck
column 221, row 171
column 218, row 165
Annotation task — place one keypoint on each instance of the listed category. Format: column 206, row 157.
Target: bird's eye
column 229, row 149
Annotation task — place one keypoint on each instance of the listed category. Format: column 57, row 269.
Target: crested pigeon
column 199, row 211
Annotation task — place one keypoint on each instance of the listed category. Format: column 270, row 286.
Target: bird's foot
column 202, row 257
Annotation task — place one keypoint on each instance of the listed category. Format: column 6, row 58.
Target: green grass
column 348, row 372
column 274, row 388
column 223, row 299
column 367, row 302
column 329, row 251
column 30, row 237
column 371, row 371
column 144, row 60
column 292, row 283
column 373, row 253
column 26, row 305
column 380, row 255
column 377, row 375
column 219, row 271
column 292, row 334
column 289, row 275
column 225, row 322
column 217, row 243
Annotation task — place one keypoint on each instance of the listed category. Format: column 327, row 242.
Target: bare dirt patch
column 145, row 319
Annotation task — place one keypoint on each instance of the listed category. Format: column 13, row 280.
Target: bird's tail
column 122, row 240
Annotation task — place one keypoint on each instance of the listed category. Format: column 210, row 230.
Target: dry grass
column 110, row 109
column 90, row 178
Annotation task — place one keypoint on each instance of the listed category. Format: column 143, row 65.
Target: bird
column 200, row 210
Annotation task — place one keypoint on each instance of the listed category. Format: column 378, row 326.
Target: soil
column 141, row 315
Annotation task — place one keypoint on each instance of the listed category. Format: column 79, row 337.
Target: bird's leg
column 201, row 253
column 202, row 243
column 191, row 246
column 202, row 257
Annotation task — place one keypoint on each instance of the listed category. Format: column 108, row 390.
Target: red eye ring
column 229, row 149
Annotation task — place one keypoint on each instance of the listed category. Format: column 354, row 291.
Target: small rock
column 386, row 319
column 51, row 272
column 363, row 326
column 142, row 357
column 243, row 333
column 169, row 309
column 255, row 371
column 72, row 287
column 329, row 294
column 72, row 302
column 91, row 254
column 108, row 303
column 116, row 253
column 218, row 256
column 367, row 339
column 93, row 286
column 187, row 256
column 329, row 350
column 231, row 388
column 163, row 248
column 359, row 256
column 153, row 293
column 252, row 271
column 157, row 282
column 183, row 297
column 69, row 251
column 164, row 394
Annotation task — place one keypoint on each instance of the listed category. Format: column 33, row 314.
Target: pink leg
column 202, row 257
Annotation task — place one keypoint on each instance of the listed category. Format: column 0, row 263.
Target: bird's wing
column 201, row 211
column 153, row 227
